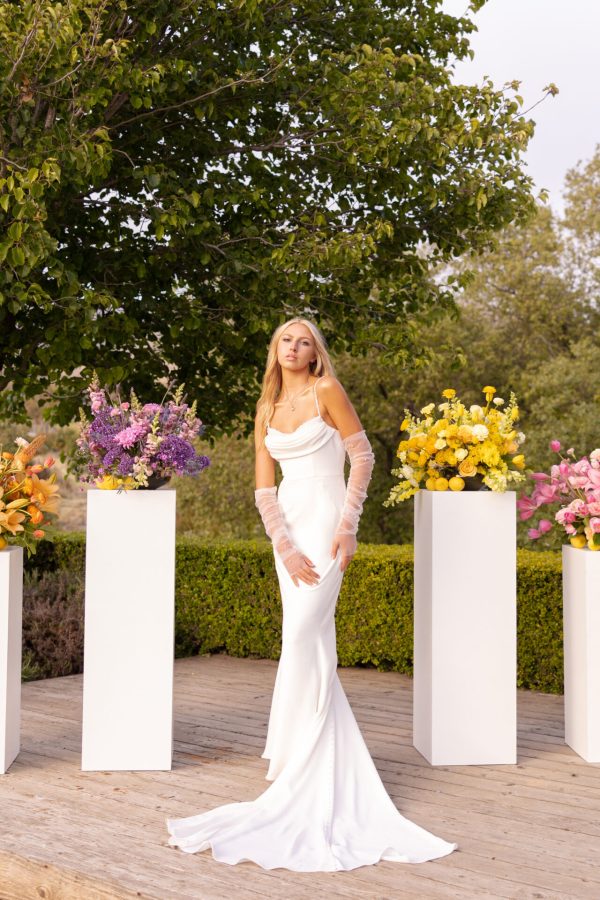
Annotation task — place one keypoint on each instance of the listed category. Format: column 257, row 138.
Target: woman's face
column 296, row 348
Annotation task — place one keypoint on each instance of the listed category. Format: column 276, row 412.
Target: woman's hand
column 346, row 544
column 301, row 568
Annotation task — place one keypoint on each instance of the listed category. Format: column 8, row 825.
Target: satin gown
column 326, row 808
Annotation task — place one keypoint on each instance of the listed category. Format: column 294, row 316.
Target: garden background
column 167, row 196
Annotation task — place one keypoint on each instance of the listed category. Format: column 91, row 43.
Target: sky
column 537, row 42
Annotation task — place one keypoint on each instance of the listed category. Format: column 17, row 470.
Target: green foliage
column 227, row 599
column 220, row 503
column 176, row 177
column 539, row 621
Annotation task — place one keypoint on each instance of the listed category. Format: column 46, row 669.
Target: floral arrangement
column 127, row 444
column 575, row 485
column 458, row 448
column 28, row 503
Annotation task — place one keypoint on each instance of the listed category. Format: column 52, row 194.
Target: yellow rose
column 465, row 433
column 578, row 540
column 108, row 483
column 467, row 468
column 519, row 461
column 456, row 484
column 441, row 484
column 429, row 447
column 449, row 393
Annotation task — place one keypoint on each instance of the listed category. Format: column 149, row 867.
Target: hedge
column 227, row 599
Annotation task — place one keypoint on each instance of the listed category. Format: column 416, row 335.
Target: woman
column 327, row 808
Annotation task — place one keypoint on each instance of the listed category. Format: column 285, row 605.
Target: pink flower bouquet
column 574, row 485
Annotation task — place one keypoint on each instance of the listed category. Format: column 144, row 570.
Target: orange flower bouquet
column 28, row 502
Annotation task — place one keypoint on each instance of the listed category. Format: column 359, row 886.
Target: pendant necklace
column 295, row 397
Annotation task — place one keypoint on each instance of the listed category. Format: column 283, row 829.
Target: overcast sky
column 537, row 42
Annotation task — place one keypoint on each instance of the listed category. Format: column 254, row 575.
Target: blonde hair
column 272, row 379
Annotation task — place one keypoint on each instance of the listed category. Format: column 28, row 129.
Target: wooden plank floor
column 525, row 831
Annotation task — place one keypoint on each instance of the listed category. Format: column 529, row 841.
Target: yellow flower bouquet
column 28, row 503
column 458, row 448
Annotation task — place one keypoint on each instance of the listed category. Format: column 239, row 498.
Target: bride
column 326, row 808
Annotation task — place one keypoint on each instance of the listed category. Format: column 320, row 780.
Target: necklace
column 295, row 396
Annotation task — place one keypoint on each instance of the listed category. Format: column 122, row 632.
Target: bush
column 52, row 623
column 227, row 600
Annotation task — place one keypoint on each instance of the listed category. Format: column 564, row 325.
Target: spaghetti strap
column 316, row 398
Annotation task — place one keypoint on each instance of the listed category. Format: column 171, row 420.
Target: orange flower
column 45, row 493
column 39, row 533
column 10, row 519
column 35, row 514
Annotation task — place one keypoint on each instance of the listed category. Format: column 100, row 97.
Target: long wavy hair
column 272, row 380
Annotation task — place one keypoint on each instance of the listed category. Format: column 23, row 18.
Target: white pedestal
column 129, row 630
column 581, row 628
column 11, row 631
column 465, row 628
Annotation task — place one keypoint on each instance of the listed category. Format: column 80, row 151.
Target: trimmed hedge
column 227, row 599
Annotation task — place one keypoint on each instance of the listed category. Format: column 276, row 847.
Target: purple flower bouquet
column 131, row 445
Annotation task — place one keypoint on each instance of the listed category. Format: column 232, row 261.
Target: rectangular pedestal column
column 129, row 630
column 11, row 617
column 581, row 624
column 465, row 628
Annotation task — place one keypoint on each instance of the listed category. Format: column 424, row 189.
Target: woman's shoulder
column 329, row 386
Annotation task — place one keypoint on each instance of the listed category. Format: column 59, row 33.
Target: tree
column 176, row 177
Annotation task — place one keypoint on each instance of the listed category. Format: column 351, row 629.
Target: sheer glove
column 268, row 507
column 362, row 460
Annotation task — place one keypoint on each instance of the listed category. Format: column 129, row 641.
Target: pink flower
column 540, row 476
column 534, row 534
column 594, row 507
column 526, row 508
column 545, row 526
column 595, row 524
column 555, row 446
column 564, row 516
column 570, row 529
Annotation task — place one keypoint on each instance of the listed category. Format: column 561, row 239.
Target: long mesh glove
column 362, row 460
column 268, row 507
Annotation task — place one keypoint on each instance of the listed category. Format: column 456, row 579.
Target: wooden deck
column 525, row 831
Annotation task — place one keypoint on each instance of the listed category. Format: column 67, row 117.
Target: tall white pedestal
column 581, row 629
column 129, row 630
column 465, row 628
column 11, row 619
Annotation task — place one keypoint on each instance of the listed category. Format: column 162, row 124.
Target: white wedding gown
column 327, row 808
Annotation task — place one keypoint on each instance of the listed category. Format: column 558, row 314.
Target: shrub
column 52, row 623
column 227, row 600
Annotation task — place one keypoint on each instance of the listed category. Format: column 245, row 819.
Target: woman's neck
column 292, row 382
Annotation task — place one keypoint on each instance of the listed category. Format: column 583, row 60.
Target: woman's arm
column 335, row 405
column 264, row 467
column 343, row 415
column 299, row 566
